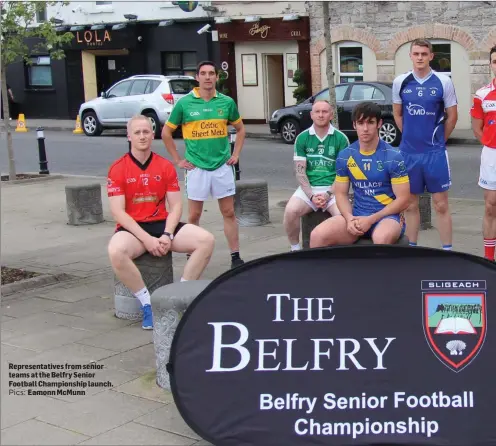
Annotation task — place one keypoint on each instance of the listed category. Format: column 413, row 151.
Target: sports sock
column 447, row 247
column 296, row 247
column 183, row 279
column 234, row 256
column 412, row 243
column 143, row 296
column 489, row 245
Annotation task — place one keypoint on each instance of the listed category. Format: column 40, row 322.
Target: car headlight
column 274, row 114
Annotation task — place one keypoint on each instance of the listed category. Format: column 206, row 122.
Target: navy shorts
column 395, row 217
column 428, row 171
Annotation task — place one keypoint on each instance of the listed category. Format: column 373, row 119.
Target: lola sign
column 360, row 345
column 93, row 38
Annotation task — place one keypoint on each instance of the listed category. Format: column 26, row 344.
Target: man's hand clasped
column 321, row 200
column 359, row 225
column 158, row 246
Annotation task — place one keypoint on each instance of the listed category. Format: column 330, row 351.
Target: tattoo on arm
column 301, row 176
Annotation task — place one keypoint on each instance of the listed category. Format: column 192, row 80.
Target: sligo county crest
column 455, row 326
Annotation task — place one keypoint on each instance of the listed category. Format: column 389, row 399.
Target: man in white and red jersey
column 139, row 184
column 483, row 114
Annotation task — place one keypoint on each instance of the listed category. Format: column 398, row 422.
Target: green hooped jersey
column 320, row 155
column 204, row 127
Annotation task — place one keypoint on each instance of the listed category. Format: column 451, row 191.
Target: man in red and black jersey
column 139, row 185
column 483, row 114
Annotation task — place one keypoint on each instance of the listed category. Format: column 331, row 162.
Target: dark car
column 290, row 121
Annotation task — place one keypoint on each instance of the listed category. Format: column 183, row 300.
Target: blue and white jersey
column 424, row 102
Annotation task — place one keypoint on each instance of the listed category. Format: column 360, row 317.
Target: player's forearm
column 449, row 126
column 477, row 129
column 170, row 145
column 344, row 205
column 301, row 177
column 398, row 119
column 128, row 222
column 240, row 140
column 173, row 218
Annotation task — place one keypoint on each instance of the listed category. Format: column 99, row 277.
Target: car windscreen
column 182, row 86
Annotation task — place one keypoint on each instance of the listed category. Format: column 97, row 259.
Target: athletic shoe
column 236, row 263
column 147, row 317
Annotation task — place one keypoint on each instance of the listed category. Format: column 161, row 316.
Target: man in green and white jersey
column 315, row 154
column 204, row 115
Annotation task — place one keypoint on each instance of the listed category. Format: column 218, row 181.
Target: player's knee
column 413, row 206
column 490, row 208
column 206, row 241
column 318, row 238
column 228, row 212
column 441, row 206
column 118, row 254
column 291, row 214
column 384, row 238
column 194, row 215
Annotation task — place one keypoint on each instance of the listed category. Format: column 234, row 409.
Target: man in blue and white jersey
column 425, row 110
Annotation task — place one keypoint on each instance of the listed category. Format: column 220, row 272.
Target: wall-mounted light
column 77, row 28
column 222, row 20
column 252, row 18
column 210, row 8
column 57, row 21
column 131, row 16
column 60, row 29
column 290, row 17
column 97, row 27
column 118, row 26
column 166, row 23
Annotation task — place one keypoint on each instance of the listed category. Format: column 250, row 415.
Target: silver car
column 152, row 95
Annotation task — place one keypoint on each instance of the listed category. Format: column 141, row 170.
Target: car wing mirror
column 103, row 95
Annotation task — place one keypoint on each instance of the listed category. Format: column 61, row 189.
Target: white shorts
column 219, row 183
column 487, row 177
column 315, row 190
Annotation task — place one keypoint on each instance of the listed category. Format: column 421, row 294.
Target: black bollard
column 41, row 150
column 232, row 139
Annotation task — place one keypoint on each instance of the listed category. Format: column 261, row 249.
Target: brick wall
column 385, row 26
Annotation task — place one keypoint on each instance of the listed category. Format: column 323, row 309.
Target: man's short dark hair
column 206, row 62
column 366, row 110
column 491, row 51
column 422, row 42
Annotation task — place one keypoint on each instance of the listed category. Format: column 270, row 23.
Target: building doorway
column 274, row 83
column 109, row 70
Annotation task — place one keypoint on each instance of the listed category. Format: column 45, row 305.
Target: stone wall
column 385, row 26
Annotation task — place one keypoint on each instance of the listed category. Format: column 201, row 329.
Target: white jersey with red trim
column 484, row 107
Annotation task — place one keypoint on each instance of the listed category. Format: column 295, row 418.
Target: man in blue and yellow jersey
column 378, row 176
column 204, row 114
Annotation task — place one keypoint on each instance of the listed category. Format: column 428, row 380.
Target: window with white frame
column 40, row 72
column 350, row 62
column 442, row 57
column 41, row 13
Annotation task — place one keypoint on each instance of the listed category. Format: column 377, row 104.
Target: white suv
column 152, row 95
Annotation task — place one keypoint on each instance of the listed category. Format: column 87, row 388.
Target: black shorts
column 154, row 228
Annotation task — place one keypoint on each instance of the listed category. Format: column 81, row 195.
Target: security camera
column 140, row 38
column 204, row 29
column 78, row 8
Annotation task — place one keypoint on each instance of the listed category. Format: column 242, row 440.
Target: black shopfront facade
column 96, row 59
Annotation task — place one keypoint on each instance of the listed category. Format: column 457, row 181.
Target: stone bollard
column 251, row 203
column 425, row 211
column 168, row 305
column 156, row 272
column 309, row 222
column 84, row 204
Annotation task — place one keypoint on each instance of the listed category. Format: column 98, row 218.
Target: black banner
column 359, row 345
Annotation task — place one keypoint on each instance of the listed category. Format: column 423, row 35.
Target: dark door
column 110, row 70
column 75, row 87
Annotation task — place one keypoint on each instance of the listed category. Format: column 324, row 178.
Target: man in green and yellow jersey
column 315, row 153
column 204, row 114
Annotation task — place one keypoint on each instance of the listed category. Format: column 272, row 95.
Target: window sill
column 39, row 90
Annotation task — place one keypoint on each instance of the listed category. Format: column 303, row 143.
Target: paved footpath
column 72, row 321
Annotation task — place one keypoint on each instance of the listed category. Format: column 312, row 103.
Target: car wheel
column 157, row 130
column 91, row 124
column 290, row 128
column 390, row 133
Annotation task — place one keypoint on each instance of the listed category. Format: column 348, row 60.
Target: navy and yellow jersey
column 372, row 175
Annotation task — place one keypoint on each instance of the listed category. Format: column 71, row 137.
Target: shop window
column 442, row 58
column 179, row 64
column 40, row 72
column 41, row 13
column 350, row 62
